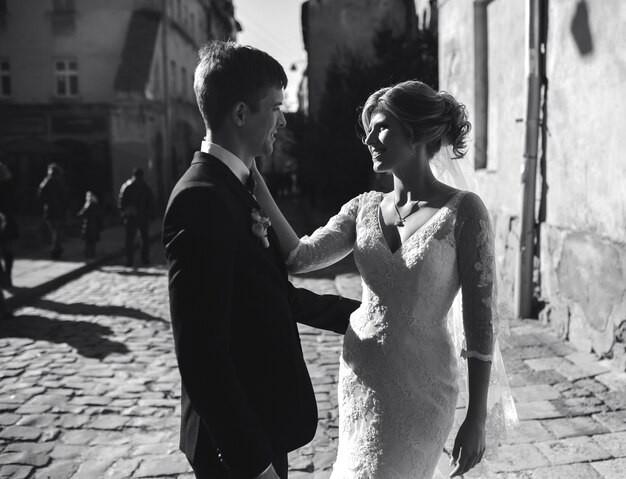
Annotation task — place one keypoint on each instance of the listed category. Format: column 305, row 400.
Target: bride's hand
column 469, row 446
column 254, row 166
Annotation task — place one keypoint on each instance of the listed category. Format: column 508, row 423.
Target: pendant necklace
column 400, row 221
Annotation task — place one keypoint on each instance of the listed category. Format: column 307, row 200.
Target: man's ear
column 239, row 113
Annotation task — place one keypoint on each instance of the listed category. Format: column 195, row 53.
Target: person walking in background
column 9, row 229
column 4, row 311
column 91, row 216
column 136, row 204
column 54, row 195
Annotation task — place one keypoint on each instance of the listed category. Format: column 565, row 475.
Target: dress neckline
column 430, row 220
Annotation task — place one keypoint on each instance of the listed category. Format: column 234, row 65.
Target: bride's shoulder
column 471, row 205
column 353, row 206
column 372, row 195
column 364, row 197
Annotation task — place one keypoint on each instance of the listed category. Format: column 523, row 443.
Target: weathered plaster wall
column 583, row 252
column 499, row 182
column 586, row 118
column 584, row 278
column 583, row 240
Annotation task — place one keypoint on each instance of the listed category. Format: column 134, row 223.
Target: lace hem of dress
column 475, row 354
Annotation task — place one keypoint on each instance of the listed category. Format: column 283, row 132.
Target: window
column 66, row 78
column 5, row 78
column 63, row 5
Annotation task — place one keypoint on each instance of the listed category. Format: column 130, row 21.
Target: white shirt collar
column 234, row 163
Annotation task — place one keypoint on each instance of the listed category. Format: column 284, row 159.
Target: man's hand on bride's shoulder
column 469, row 446
column 269, row 473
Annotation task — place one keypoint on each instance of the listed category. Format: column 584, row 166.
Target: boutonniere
column 260, row 223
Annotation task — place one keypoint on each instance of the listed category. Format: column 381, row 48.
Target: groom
column 247, row 399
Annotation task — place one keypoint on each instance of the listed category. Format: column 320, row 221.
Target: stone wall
column 583, row 276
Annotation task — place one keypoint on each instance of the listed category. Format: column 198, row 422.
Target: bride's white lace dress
column 398, row 370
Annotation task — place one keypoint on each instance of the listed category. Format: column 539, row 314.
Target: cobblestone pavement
column 35, row 274
column 89, row 386
column 89, row 389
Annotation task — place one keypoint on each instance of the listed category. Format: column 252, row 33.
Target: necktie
column 251, row 183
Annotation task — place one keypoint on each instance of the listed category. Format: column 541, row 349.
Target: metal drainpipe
column 524, row 283
column 167, row 136
column 481, row 82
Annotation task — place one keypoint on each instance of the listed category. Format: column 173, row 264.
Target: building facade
column 580, row 204
column 102, row 87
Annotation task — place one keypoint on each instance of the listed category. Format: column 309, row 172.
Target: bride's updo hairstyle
column 430, row 117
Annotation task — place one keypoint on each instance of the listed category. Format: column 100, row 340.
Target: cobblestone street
column 89, row 389
column 462, row 158
column 89, row 386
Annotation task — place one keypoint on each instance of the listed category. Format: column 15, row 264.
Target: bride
column 415, row 248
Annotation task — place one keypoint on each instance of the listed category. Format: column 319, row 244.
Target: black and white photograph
column 312, row 239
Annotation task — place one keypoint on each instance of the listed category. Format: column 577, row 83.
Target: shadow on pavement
column 135, row 272
column 16, row 290
column 86, row 309
column 88, row 338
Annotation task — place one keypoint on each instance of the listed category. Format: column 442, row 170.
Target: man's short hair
column 138, row 173
column 228, row 73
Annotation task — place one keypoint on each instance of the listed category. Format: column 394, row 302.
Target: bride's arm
column 325, row 246
column 476, row 263
column 286, row 235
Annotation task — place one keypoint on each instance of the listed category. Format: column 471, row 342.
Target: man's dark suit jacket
column 246, row 392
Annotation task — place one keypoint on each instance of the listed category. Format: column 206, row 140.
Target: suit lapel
column 233, row 183
column 228, row 176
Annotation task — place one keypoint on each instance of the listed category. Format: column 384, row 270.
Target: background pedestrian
column 136, row 204
column 9, row 230
column 54, row 195
column 4, row 312
column 91, row 216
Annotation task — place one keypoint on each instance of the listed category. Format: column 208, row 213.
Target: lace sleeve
column 480, row 312
column 327, row 244
column 476, row 262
